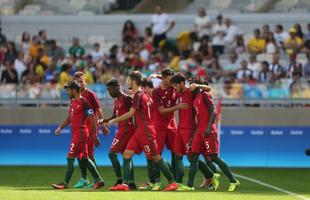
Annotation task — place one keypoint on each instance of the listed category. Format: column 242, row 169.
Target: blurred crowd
column 217, row 50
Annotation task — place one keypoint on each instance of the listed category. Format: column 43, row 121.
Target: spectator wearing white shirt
column 203, row 24
column 19, row 64
column 96, row 54
column 254, row 65
column 276, row 68
column 218, row 34
column 280, row 35
column 271, row 45
column 161, row 24
column 231, row 33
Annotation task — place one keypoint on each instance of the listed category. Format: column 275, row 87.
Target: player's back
column 186, row 116
column 78, row 116
column 122, row 105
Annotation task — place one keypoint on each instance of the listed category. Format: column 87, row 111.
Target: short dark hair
column 72, row 85
column 167, row 72
column 200, row 81
column 113, row 83
column 136, row 76
column 41, row 32
column 177, row 78
column 279, row 26
column 147, row 83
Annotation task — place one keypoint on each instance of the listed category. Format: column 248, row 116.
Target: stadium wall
column 250, row 137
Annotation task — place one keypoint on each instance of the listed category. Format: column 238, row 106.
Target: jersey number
column 115, row 141
column 147, row 148
column 207, row 145
column 71, row 148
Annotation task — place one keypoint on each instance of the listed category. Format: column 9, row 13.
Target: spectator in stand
column 11, row 53
column 9, row 75
column 174, row 58
column 293, row 68
column 26, row 43
column 256, row 44
column 50, row 75
column 244, row 75
column 86, row 69
column 299, row 31
column 307, row 40
column 76, row 50
column 239, row 47
column 271, row 45
column 29, row 76
column 231, row 33
column 254, row 65
column 276, row 68
column 265, row 31
column 218, row 32
column 35, row 45
column 96, row 53
column 161, row 24
column 2, row 37
column 293, row 43
column 43, row 38
column 214, row 70
column 64, row 76
column 203, row 24
column 307, row 69
column 42, row 58
column 148, row 39
column 205, row 49
column 265, row 75
column 231, row 67
column 53, row 51
column 130, row 32
column 20, row 64
column 280, row 35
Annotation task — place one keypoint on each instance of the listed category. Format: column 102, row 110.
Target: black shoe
column 118, row 182
column 132, row 186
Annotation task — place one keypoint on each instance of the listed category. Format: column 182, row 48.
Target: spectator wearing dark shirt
column 11, row 53
column 9, row 75
column 54, row 51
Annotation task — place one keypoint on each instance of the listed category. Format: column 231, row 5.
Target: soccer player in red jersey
column 205, row 141
column 144, row 138
column 122, row 104
column 94, row 103
column 79, row 111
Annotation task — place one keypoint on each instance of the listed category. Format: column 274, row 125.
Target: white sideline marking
column 272, row 187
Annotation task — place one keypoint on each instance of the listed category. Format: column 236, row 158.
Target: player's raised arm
column 123, row 117
column 65, row 123
column 206, row 88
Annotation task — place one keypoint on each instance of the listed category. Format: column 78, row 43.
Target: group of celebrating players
column 146, row 122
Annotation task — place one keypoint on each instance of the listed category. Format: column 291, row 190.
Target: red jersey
column 143, row 104
column 122, row 106
column 186, row 116
column 165, row 98
column 79, row 111
column 202, row 104
column 94, row 103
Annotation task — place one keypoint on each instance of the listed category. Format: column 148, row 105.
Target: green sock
column 116, row 165
column 156, row 171
column 211, row 165
column 193, row 160
column 165, row 169
column 83, row 168
column 70, row 170
column 150, row 171
column 206, row 171
column 224, row 167
column 179, row 168
column 127, row 168
column 93, row 170
column 173, row 164
column 132, row 174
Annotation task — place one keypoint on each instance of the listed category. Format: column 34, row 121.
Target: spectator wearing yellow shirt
column 64, row 76
column 256, row 44
column 35, row 45
column 174, row 58
column 293, row 44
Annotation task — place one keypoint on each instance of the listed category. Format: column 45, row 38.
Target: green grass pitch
column 33, row 183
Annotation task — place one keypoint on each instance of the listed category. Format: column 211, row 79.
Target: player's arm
column 212, row 114
column 65, row 123
column 93, row 124
column 206, row 88
column 100, row 113
column 179, row 106
column 112, row 117
column 123, row 117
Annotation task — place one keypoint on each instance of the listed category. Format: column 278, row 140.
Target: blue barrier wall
column 240, row 146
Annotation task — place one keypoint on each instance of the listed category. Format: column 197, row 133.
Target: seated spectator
column 256, row 44
column 271, row 45
column 148, row 39
column 205, row 49
column 307, row 40
column 231, row 67
column 43, row 38
column 9, row 75
column 203, row 24
column 130, row 32
column 11, row 53
column 276, row 68
column 294, row 43
column 239, row 47
column 244, row 75
column 50, row 75
column 299, row 31
column 26, row 43
column 218, row 32
column 231, row 33
column 184, row 41
column 76, row 50
column 64, row 76
column 54, row 51
column 29, row 76
column 265, row 31
column 254, row 66
column 280, row 35
column 35, row 45
column 174, row 58
column 96, row 53
column 2, row 38
column 265, row 75
column 307, row 69
column 293, row 68
column 20, row 64
column 214, row 70
column 42, row 58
